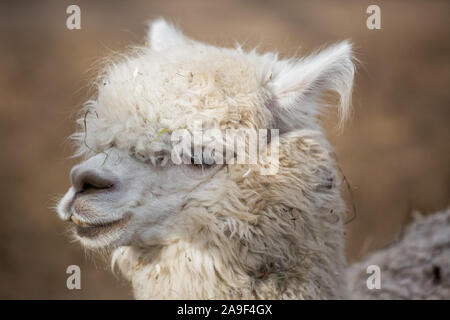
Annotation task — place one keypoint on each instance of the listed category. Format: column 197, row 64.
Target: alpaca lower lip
column 89, row 230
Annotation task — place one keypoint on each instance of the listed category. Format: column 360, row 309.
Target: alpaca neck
column 179, row 271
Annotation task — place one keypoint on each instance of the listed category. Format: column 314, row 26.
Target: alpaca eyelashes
column 203, row 163
column 159, row 159
column 196, row 162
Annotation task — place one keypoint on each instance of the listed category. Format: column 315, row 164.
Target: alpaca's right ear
column 163, row 35
column 298, row 85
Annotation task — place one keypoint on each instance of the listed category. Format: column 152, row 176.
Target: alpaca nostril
column 94, row 183
column 91, row 180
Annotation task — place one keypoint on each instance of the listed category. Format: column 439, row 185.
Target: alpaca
column 202, row 230
column 417, row 266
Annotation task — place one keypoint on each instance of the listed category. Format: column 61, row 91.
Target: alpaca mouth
column 93, row 230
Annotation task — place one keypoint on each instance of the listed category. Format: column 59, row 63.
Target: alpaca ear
column 163, row 35
column 297, row 86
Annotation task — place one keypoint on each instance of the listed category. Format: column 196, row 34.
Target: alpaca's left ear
column 163, row 35
column 296, row 86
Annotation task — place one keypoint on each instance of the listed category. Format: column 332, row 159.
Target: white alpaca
column 210, row 230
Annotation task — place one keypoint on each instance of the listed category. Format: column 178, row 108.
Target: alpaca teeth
column 78, row 222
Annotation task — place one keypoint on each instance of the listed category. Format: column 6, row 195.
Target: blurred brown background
column 395, row 152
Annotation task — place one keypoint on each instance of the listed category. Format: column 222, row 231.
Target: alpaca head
column 132, row 190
